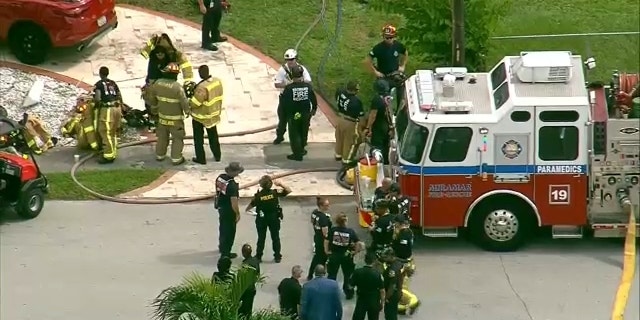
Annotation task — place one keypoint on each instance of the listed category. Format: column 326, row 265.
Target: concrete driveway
column 105, row 261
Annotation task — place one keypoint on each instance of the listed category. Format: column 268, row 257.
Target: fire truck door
column 561, row 165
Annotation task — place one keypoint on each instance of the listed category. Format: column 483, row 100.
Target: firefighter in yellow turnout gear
column 38, row 139
column 403, row 249
column 168, row 100
column 80, row 125
column 107, row 115
column 174, row 54
column 206, row 107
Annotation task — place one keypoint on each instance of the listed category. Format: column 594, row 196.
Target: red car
column 33, row 27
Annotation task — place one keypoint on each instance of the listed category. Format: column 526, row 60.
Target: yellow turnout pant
column 346, row 136
column 174, row 131
column 108, row 123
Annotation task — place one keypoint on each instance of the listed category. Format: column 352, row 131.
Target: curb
column 46, row 73
column 323, row 105
column 154, row 184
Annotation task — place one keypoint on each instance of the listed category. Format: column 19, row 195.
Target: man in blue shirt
column 321, row 298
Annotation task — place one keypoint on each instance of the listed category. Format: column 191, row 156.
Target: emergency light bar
column 425, row 91
column 460, row 106
column 458, row 72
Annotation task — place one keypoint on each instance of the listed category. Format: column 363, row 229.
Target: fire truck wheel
column 31, row 203
column 499, row 227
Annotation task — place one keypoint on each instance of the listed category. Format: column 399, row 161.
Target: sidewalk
column 249, row 103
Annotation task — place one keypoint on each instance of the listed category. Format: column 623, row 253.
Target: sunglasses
column 290, row 59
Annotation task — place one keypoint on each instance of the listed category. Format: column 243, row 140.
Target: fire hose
column 98, row 195
column 629, row 263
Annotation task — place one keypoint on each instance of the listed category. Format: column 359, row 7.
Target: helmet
column 290, row 54
column 189, row 88
column 389, row 31
column 297, row 71
column 171, row 68
column 381, row 86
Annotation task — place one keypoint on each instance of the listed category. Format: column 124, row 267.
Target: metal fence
column 612, row 50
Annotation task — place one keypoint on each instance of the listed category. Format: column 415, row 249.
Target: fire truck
column 500, row 154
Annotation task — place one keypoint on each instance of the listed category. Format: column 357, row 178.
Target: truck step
column 566, row 232
column 440, row 232
column 612, row 230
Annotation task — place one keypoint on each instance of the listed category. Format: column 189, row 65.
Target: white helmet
column 290, row 54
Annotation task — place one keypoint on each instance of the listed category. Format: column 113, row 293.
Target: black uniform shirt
column 299, row 97
column 342, row 239
column 254, row 263
column 381, row 122
column 350, row 105
column 222, row 276
column 400, row 205
column 393, row 280
column 387, row 56
column 403, row 244
column 382, row 233
column 290, row 292
column 208, row 3
column 226, row 188
column 108, row 89
column 319, row 220
column 267, row 203
column 368, row 282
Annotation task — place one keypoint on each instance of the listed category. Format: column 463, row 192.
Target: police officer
column 321, row 222
column 226, row 201
column 340, row 246
column 379, row 122
column 400, row 205
column 206, row 107
column 382, row 228
column 388, row 58
column 350, row 111
column 393, row 282
column 211, row 16
column 269, row 214
column 108, row 100
column 403, row 249
column 282, row 79
column 168, row 100
column 300, row 104
column 370, row 290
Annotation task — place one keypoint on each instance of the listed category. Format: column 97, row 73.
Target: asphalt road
column 104, row 261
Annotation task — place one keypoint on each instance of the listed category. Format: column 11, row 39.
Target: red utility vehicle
column 33, row 27
column 523, row 146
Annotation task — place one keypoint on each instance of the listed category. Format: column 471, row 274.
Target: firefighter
column 299, row 104
column 108, row 101
column 393, row 283
column 172, row 55
column 38, row 139
column 206, row 107
column 382, row 228
column 400, row 205
column 169, row 102
column 379, row 122
column 350, row 111
column 282, row 79
column 80, row 125
column 269, row 215
column 211, row 16
column 388, row 60
column 403, row 248
column 341, row 245
column 321, row 222
column 158, row 60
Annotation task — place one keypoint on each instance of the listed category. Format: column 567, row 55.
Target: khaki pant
column 108, row 122
column 38, row 139
column 346, row 138
column 176, row 134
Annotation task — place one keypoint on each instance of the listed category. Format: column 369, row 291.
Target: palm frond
column 269, row 315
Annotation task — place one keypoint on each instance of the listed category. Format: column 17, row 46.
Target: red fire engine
column 500, row 154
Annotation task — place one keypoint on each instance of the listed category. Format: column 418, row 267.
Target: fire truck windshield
column 413, row 142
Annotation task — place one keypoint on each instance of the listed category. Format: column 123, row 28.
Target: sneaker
column 411, row 311
column 278, row 259
column 304, row 152
column 196, row 160
column 294, row 157
column 210, row 47
column 278, row 140
column 221, row 39
column 177, row 163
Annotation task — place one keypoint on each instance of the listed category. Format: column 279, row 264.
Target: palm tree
column 200, row 298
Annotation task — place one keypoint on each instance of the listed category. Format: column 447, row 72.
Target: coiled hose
column 340, row 174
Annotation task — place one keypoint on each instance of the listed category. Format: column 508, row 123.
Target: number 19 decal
column 559, row 194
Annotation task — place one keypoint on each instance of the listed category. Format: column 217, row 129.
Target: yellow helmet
column 171, row 68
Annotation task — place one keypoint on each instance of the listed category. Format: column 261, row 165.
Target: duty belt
column 346, row 117
column 108, row 104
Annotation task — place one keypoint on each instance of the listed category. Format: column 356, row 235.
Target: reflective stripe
column 169, row 100
column 213, row 85
column 188, row 79
column 93, row 145
column 88, row 129
column 31, row 143
column 195, row 101
column 205, row 116
column 112, row 141
column 170, row 117
column 185, row 65
column 166, row 122
column 213, row 101
column 160, row 157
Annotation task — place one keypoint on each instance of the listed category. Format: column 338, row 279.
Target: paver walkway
column 250, row 100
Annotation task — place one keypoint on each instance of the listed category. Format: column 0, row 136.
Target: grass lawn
column 253, row 22
column 107, row 182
